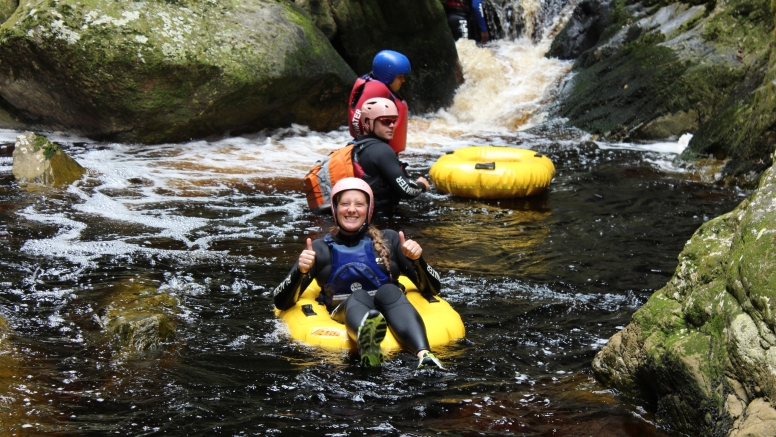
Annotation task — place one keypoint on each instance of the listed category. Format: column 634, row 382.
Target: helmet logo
column 355, row 286
column 356, row 121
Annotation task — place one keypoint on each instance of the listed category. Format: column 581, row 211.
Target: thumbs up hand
column 410, row 248
column 307, row 258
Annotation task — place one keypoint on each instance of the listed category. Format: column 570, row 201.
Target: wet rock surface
column 703, row 348
column 417, row 29
column 658, row 71
column 36, row 160
column 154, row 72
column 139, row 318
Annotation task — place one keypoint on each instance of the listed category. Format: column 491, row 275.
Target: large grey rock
column 703, row 348
column 416, row 28
column 322, row 15
column 158, row 71
column 583, row 30
column 37, row 160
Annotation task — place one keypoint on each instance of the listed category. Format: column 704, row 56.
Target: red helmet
column 376, row 108
column 352, row 184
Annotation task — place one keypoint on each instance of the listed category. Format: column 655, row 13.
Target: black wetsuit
column 402, row 318
column 385, row 174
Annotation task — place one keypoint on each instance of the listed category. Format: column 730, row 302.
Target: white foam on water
column 507, row 86
column 6, row 164
column 661, row 154
column 672, row 147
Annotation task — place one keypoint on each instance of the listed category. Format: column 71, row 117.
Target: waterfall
column 508, row 82
column 534, row 19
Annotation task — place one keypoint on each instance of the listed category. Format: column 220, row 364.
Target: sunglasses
column 386, row 121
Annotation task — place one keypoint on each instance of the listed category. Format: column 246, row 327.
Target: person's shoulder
column 390, row 235
column 376, row 144
column 382, row 146
column 320, row 243
column 375, row 88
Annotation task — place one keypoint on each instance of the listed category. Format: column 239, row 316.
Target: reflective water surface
column 202, row 232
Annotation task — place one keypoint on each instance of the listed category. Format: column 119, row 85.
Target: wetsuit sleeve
column 288, row 292
column 418, row 271
column 391, row 171
column 479, row 16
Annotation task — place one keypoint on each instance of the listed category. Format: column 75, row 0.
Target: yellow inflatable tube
column 490, row 172
column 309, row 322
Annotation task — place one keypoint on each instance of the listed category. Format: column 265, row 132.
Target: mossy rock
column 155, row 72
column 7, row 7
column 9, row 118
column 662, row 69
column 36, row 160
column 700, row 349
column 138, row 318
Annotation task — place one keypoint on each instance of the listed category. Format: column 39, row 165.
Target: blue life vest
column 352, row 268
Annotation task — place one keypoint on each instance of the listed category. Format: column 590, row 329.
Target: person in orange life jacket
column 359, row 267
column 376, row 162
column 386, row 78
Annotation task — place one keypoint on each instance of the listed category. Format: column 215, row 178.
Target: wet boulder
column 703, row 348
column 659, row 71
column 322, row 15
column 8, row 118
column 583, row 30
column 139, row 318
column 36, row 160
column 416, row 28
column 151, row 71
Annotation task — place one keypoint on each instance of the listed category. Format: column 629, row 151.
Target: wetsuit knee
column 403, row 319
column 363, row 298
column 388, row 295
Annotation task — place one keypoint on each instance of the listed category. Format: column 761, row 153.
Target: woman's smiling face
column 352, row 208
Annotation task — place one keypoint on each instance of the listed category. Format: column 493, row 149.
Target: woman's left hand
column 410, row 248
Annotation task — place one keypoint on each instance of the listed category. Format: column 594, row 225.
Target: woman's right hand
column 423, row 181
column 307, row 258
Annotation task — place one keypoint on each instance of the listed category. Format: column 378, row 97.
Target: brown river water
column 541, row 283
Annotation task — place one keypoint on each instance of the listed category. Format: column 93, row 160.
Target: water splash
column 507, row 88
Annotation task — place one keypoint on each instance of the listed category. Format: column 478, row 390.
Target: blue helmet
column 388, row 64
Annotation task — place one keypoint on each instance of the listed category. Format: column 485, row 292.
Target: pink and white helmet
column 352, row 184
column 376, row 108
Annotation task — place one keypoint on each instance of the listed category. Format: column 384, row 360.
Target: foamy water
column 506, row 90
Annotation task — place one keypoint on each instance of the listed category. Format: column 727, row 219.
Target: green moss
column 618, row 17
column 49, row 148
column 741, row 23
column 659, row 314
column 744, row 129
column 624, row 90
